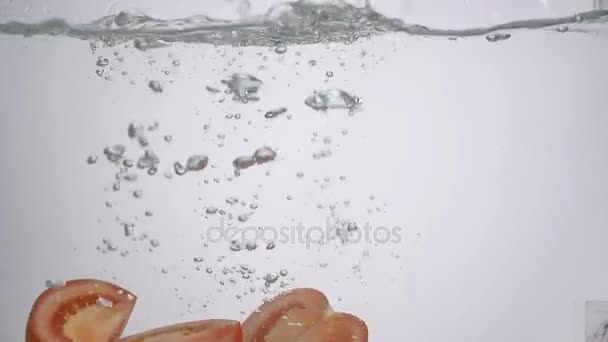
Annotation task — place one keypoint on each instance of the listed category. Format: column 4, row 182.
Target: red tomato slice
column 81, row 310
column 213, row 330
column 302, row 315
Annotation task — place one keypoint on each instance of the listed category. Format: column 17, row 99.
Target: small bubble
column 243, row 218
column 329, row 74
column 53, row 284
column 149, row 213
column 99, row 72
column 250, row 245
column 91, row 159
column 232, row 200
column 264, row 154
column 496, row 37
column 128, row 229
column 155, row 86
column 235, row 246
column 176, row 62
column 198, row 259
column 138, row 193
column 153, row 126
column 154, row 243
column 280, row 50
column 209, row 270
column 211, row 210
column 164, row 271
column 130, row 177
column 289, row 197
column 243, row 162
column 179, row 169
column 102, row 62
column 275, row 112
column 270, row 246
column 312, row 62
column 283, row 272
column 127, row 163
column 152, row 171
column 197, row 162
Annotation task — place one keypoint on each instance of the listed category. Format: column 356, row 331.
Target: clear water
column 320, row 145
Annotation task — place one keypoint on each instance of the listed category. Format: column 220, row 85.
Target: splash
column 300, row 22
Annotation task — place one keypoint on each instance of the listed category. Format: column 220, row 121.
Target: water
column 299, row 22
column 339, row 118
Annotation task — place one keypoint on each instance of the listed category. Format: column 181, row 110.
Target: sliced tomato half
column 80, row 310
column 302, row 315
column 213, row 330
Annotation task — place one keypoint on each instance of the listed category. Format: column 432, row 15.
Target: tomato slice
column 302, row 315
column 213, row 330
column 285, row 317
column 80, row 310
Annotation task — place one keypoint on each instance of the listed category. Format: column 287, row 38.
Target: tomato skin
column 53, row 309
column 213, row 330
column 260, row 323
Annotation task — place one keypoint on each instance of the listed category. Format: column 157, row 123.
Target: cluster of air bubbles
column 114, row 153
column 148, row 161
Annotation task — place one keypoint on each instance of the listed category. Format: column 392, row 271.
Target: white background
column 493, row 157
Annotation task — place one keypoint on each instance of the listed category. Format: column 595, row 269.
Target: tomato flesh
column 215, row 330
column 336, row 327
